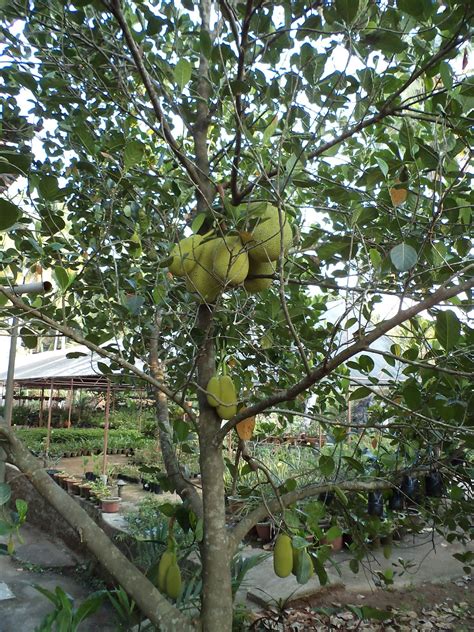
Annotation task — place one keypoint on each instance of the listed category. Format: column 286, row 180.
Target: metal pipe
column 41, row 287
column 7, row 413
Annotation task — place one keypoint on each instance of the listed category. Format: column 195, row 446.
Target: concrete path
column 22, row 608
column 429, row 564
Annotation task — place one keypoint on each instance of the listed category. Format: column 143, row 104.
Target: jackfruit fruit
column 165, row 562
column 256, row 268
column 228, row 407
column 296, row 560
column 183, row 255
column 231, row 261
column 283, row 556
column 201, row 278
column 173, row 580
column 268, row 237
column 213, row 389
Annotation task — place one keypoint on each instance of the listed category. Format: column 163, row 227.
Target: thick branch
column 240, row 530
column 74, row 335
column 327, row 367
column 156, row 607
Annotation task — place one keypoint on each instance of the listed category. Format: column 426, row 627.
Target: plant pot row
column 84, row 489
column 73, row 453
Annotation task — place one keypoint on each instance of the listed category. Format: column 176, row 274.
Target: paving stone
column 5, row 592
column 45, row 554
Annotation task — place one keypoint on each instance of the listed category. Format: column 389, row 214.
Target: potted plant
column 434, row 484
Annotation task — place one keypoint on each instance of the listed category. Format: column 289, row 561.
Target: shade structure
column 74, row 367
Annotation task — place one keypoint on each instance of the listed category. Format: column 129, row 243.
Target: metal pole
column 106, row 428
column 10, row 374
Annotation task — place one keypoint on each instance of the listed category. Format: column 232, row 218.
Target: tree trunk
column 216, row 609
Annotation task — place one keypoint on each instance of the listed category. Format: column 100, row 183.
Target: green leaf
column 28, row 337
column 354, row 566
column 182, row 72
column 5, row 493
column 446, row 74
column 368, row 612
column 205, row 44
column 61, row 277
column 270, row 130
column 48, row 187
column 347, row 9
column 403, row 257
column 9, row 214
column 447, row 329
column 326, row 465
column 133, row 154
column 333, row 534
column 359, row 393
column 198, row 221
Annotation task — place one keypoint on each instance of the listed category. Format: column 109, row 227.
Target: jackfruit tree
column 250, row 197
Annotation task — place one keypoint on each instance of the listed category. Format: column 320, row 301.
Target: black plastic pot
column 434, row 485
column 52, row 472
column 395, row 502
column 90, row 476
column 375, row 503
column 146, row 486
column 155, row 488
column 411, row 488
column 326, row 497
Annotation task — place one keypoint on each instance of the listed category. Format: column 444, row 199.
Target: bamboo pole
column 41, row 410
column 50, row 414
column 71, row 398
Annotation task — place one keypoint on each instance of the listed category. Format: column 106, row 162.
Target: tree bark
column 151, row 602
column 216, row 610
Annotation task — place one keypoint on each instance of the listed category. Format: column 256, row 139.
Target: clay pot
column 111, row 505
column 265, row 531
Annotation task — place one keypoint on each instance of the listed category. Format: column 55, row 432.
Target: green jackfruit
column 165, row 562
column 283, row 556
column 213, row 389
column 173, row 581
column 183, row 255
column 255, row 268
column 231, row 261
column 201, row 279
column 296, row 560
column 228, row 407
column 268, row 237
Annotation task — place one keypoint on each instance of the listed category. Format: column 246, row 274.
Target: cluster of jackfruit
column 211, row 263
column 288, row 560
column 222, row 396
column 166, row 576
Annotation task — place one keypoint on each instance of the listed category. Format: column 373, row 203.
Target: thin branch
column 116, row 10
column 327, row 367
column 422, row 365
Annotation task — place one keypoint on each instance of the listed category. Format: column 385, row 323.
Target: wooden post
column 106, row 428
column 71, row 399
column 50, row 414
column 40, row 420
